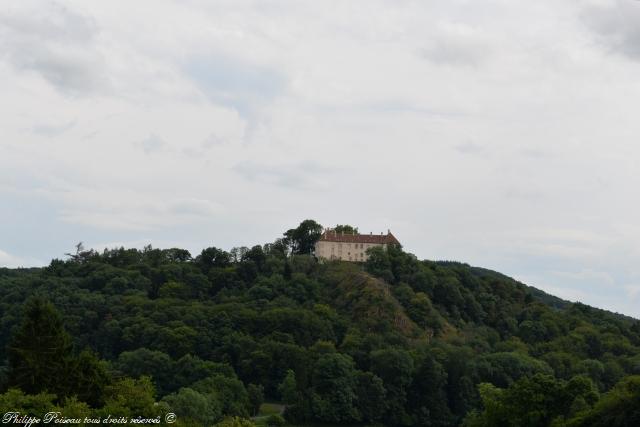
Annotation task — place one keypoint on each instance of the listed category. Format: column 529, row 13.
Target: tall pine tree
column 41, row 358
column 40, row 352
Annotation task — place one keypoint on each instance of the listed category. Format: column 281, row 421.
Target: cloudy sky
column 499, row 133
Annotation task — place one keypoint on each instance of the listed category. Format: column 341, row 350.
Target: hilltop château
column 351, row 247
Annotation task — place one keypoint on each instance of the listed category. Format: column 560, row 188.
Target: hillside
column 396, row 340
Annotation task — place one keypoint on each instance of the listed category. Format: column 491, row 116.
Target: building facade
column 351, row 247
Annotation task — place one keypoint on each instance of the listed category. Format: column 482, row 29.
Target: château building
column 351, row 247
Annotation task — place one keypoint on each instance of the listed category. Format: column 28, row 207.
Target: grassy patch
column 267, row 409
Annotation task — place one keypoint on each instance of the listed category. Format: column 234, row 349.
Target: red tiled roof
column 331, row 236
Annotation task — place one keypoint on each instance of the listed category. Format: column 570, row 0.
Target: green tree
column 533, row 401
column 620, row 407
column 235, row 422
column 427, row 398
column 40, row 352
column 155, row 364
column 88, row 378
column 275, row 420
column 288, row 388
column 131, row 397
column 346, row 229
column 15, row 400
column 395, row 367
column 379, row 264
column 212, row 258
column 371, row 396
column 177, row 255
column 193, row 407
column 302, row 239
column 333, row 395
column 256, row 397
column 230, row 392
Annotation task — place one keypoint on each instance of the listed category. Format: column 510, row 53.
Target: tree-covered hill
column 393, row 341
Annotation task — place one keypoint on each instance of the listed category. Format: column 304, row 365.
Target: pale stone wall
column 344, row 251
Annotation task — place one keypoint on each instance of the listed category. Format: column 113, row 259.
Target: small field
column 267, row 409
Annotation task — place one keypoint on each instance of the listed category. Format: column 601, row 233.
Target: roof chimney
column 388, row 231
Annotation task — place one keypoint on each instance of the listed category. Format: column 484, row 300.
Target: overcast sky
column 501, row 133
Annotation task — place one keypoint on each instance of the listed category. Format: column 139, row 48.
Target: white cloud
column 151, row 143
column 54, row 42
column 633, row 292
column 53, row 129
column 457, row 45
column 498, row 133
column 11, row 261
column 616, row 23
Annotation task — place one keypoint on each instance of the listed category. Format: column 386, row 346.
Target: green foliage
column 193, row 407
column 395, row 368
column 15, row 400
column 533, row 401
column 502, row 369
column 303, row 238
column 256, row 397
column 346, row 229
column 396, row 341
column 275, row 420
column 288, row 388
column 40, row 351
column 333, row 396
column 130, row 398
column 229, row 391
column 87, row 378
column 620, row 407
column 428, row 395
column 235, row 422
column 371, row 394
column 41, row 358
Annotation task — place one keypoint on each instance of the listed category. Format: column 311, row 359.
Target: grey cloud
column 151, row 144
column 53, row 130
column 57, row 44
column 616, row 26
column 193, row 207
column 469, row 147
column 235, row 83
column 403, row 106
column 519, row 193
column 211, row 141
column 303, row 175
column 11, row 261
column 457, row 47
column 536, row 153
column 49, row 21
column 205, row 145
column 133, row 212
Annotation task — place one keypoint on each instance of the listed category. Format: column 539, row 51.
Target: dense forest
column 394, row 341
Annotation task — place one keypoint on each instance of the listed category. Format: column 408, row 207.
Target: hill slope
column 395, row 340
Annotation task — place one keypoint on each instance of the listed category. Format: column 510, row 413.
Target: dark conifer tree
column 41, row 358
column 40, row 351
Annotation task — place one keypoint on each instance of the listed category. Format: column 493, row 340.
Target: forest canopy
column 394, row 340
